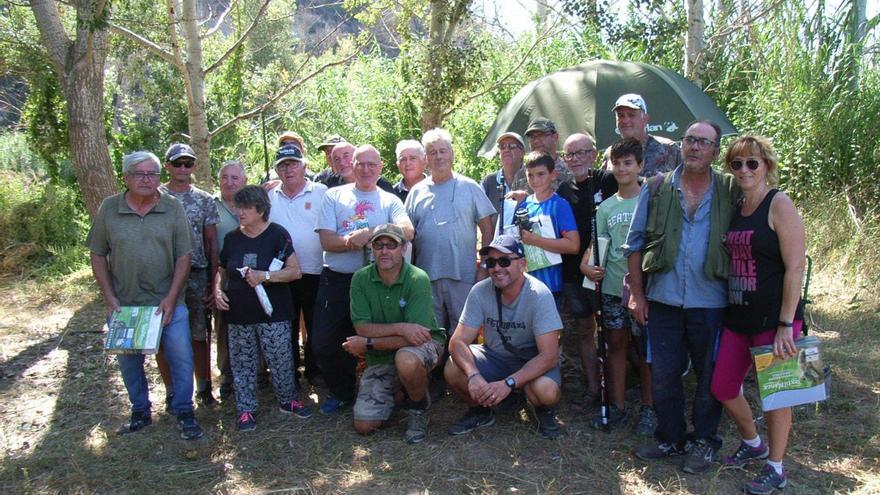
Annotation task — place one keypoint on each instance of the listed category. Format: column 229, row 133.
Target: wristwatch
column 369, row 343
column 510, row 382
column 268, row 275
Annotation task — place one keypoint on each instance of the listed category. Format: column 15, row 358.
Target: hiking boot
column 615, row 417
column 660, row 450
column 189, row 428
column 475, row 417
column 297, row 408
column 744, row 454
column 700, row 457
column 767, row 482
column 205, row 398
column 416, row 426
column 332, row 406
column 647, row 422
column 548, row 427
column 246, row 422
column 138, row 421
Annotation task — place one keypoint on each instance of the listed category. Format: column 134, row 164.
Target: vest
column 665, row 218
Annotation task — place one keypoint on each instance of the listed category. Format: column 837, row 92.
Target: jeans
column 332, row 325
column 676, row 334
column 177, row 346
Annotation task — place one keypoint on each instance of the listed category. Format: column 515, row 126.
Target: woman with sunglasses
column 767, row 247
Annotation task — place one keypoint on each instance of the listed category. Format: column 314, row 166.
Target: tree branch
column 287, row 89
column 221, row 20
column 241, row 39
column 144, row 42
column 52, row 32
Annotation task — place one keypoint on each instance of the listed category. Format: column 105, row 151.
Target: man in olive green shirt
column 391, row 309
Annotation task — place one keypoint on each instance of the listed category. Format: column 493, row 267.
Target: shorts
column 196, row 288
column 449, row 297
column 615, row 316
column 494, row 367
column 581, row 302
column 380, row 382
column 734, row 359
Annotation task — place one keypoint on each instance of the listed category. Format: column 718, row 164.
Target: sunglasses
column 378, row 246
column 510, row 146
column 503, row 262
column 738, row 164
column 183, row 163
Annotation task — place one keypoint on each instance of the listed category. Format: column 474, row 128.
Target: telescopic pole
column 602, row 353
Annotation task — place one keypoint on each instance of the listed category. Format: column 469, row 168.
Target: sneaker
column 416, row 426
column 744, row 454
column 246, row 422
column 138, row 421
column 660, row 450
column 700, row 457
column 205, row 398
column 189, row 428
column 297, row 408
column 548, row 427
column 474, row 418
column 767, row 482
column 332, row 406
column 615, row 417
column 647, row 422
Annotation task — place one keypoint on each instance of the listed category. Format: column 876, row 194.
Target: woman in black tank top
column 766, row 240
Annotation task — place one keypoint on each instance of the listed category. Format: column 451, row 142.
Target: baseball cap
column 513, row 135
column 506, row 244
column 289, row 152
column 331, row 141
column 541, row 125
column 631, row 100
column 388, row 230
column 178, row 150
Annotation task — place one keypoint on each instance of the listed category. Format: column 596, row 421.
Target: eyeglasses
column 389, row 245
column 510, row 146
column 694, row 141
column 503, row 261
column 150, row 176
column 751, row 163
column 183, row 163
column 367, row 164
column 577, row 154
column 289, row 163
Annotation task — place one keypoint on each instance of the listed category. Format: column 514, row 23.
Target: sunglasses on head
column 378, row 246
column 183, row 163
column 751, row 163
column 503, row 261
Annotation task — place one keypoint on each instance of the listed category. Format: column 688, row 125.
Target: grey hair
column 231, row 163
column 436, row 134
column 132, row 159
column 409, row 144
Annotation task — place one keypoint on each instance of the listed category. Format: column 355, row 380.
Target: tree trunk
column 79, row 65
column 197, row 115
column 693, row 43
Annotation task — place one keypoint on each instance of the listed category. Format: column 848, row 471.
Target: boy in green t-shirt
column 612, row 221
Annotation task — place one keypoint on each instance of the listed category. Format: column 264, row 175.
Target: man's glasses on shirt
column 697, row 141
column 577, row 154
column 183, row 163
column 390, row 245
column 151, row 176
column 738, row 164
column 503, row 261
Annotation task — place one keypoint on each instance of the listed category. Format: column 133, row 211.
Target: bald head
column 367, row 167
column 580, row 154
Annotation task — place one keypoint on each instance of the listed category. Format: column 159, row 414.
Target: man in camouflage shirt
column 201, row 211
column 658, row 153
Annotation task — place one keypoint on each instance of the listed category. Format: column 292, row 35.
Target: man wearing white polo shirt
column 295, row 206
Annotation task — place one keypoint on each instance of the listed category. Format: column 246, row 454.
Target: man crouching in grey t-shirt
column 521, row 342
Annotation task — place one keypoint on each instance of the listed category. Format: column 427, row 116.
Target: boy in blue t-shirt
column 612, row 221
column 540, row 174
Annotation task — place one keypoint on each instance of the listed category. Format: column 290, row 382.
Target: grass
column 61, row 400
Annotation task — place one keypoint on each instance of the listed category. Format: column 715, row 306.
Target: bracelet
column 783, row 323
column 471, row 376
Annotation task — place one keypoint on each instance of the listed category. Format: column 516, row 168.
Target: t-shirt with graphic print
column 201, row 211
column 612, row 221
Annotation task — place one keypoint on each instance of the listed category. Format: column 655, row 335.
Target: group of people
column 394, row 275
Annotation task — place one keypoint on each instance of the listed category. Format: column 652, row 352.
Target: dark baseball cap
column 541, row 124
column 331, row 141
column 507, row 244
column 289, row 152
column 388, row 230
column 179, row 150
